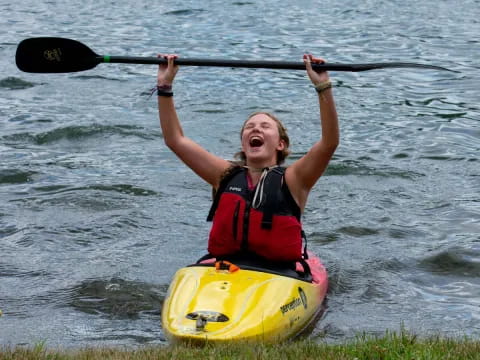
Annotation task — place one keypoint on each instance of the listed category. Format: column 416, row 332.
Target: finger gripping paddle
column 60, row 55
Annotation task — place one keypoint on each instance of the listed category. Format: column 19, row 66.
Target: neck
column 257, row 165
column 259, row 169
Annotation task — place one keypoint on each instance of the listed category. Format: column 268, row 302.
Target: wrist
column 165, row 85
column 322, row 86
column 165, row 90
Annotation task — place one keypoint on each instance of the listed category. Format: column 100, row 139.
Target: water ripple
column 16, row 176
column 14, row 83
column 455, row 262
column 99, row 198
column 117, row 298
column 77, row 133
column 184, row 12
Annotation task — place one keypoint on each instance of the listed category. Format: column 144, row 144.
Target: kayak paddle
column 60, row 55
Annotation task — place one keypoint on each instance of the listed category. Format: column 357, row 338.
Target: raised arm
column 208, row 166
column 304, row 173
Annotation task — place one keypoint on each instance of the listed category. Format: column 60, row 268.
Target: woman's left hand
column 315, row 77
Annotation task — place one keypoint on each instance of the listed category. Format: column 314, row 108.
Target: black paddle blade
column 54, row 55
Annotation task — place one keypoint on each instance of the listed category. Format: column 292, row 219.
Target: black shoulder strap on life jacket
column 221, row 188
column 273, row 188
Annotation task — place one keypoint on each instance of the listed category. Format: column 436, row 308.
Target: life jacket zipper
column 235, row 221
column 246, row 219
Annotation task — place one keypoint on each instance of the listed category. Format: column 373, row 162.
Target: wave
column 13, row 271
column 319, row 237
column 14, row 83
column 7, row 230
column 75, row 133
column 16, row 176
column 354, row 167
column 117, row 298
column 97, row 77
column 91, row 197
column 358, row 231
column 454, row 261
column 184, row 12
column 368, row 281
column 120, row 188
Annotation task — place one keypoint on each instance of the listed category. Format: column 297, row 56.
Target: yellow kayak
column 220, row 301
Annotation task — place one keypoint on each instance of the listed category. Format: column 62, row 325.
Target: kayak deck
column 249, row 304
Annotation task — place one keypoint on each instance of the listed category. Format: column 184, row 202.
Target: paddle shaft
column 260, row 64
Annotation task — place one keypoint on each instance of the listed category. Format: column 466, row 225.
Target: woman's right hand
column 166, row 72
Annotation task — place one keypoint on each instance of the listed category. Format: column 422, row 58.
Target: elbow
column 336, row 144
column 172, row 144
column 332, row 148
column 175, row 143
column 332, row 145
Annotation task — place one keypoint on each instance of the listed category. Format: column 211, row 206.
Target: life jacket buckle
column 226, row 265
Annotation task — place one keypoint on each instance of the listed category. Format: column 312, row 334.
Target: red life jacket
column 272, row 229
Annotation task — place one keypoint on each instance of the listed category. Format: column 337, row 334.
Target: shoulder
column 298, row 192
column 229, row 173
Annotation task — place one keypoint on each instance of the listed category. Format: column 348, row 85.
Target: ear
column 281, row 145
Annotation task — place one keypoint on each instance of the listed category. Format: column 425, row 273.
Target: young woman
column 258, row 204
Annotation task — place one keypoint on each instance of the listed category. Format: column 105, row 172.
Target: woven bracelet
column 321, row 87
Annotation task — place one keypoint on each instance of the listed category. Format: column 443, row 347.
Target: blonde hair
column 282, row 131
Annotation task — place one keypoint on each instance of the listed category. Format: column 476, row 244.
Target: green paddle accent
column 60, row 55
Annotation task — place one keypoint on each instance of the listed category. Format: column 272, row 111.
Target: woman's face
column 261, row 140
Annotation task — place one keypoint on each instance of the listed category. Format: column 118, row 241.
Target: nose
column 255, row 127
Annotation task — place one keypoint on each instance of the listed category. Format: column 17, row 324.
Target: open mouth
column 256, row 141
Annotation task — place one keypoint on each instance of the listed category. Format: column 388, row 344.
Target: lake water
column 96, row 214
